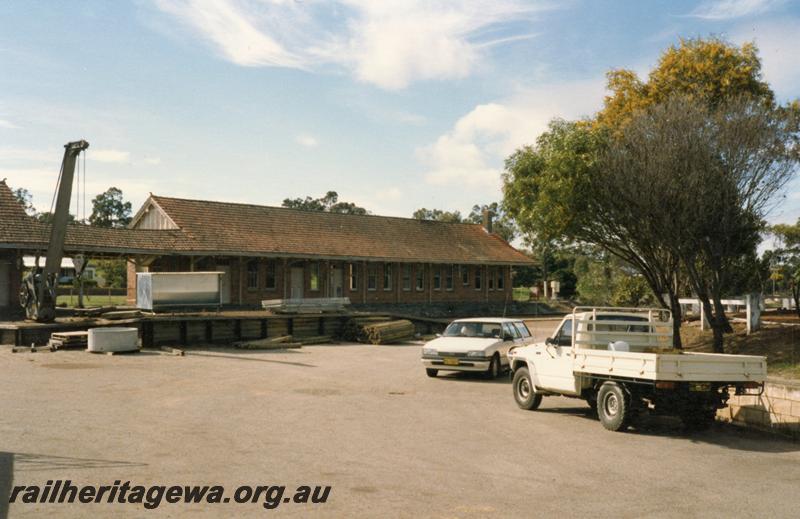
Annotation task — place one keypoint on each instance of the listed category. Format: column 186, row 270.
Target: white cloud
column 471, row 154
column 102, row 155
column 388, row 194
column 307, row 141
column 5, row 123
column 778, row 46
column 386, row 43
column 729, row 9
column 152, row 161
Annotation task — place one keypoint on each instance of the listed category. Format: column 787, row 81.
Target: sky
column 396, row 105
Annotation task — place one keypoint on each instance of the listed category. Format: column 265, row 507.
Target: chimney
column 487, row 220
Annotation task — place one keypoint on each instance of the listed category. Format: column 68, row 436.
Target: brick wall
column 11, row 284
column 398, row 292
column 777, row 410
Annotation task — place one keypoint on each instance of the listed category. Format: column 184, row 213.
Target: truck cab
column 621, row 361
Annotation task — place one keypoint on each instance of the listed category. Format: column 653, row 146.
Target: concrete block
column 779, row 406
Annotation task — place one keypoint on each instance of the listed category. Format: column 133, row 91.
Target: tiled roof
column 252, row 229
column 19, row 230
column 240, row 229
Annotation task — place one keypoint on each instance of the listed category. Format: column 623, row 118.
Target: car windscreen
column 473, row 329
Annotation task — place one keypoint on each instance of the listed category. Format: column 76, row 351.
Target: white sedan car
column 478, row 344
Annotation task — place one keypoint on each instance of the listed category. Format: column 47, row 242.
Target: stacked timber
column 64, row 340
column 353, row 329
column 279, row 343
column 389, row 332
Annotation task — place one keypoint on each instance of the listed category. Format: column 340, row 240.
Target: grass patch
column 522, row 294
column 93, row 300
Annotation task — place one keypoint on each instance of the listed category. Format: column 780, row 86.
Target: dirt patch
column 780, row 344
column 76, row 365
column 317, row 391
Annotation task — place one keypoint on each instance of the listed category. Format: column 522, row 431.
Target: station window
column 353, row 276
column 314, row 280
column 252, row 274
column 478, row 278
column 407, row 277
column 465, row 275
column 420, row 277
column 501, row 278
column 387, row 276
column 448, row 277
column 490, row 276
column 437, row 277
column 270, row 274
column 372, row 276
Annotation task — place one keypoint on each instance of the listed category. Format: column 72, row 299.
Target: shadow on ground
column 720, row 434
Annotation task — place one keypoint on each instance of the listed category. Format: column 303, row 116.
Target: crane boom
column 38, row 294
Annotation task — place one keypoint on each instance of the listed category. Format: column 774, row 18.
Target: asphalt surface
column 365, row 420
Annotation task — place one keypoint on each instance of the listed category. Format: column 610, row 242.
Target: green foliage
column 710, row 69
column 546, row 187
column 25, row 198
column 109, row 209
column 502, row 223
column 328, row 203
column 113, row 271
column 438, row 215
column 607, row 281
column 47, row 217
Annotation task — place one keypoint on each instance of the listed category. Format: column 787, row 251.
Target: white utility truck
column 621, row 361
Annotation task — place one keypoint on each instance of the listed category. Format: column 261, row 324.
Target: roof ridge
column 307, row 211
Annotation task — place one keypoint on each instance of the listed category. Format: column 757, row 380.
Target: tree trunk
column 796, row 297
column 716, row 325
column 675, row 307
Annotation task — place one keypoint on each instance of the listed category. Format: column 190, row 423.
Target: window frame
column 437, row 277
column 372, row 277
column 270, row 270
column 406, row 276
column 387, row 277
column 477, row 278
column 314, row 277
column 465, row 277
column 252, row 275
column 419, row 277
column 353, row 277
column 501, row 278
column 449, row 284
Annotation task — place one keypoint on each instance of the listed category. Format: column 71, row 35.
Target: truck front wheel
column 614, row 407
column 524, row 391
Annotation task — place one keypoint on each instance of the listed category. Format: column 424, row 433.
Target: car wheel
column 431, row 372
column 614, row 407
column 494, row 367
column 525, row 392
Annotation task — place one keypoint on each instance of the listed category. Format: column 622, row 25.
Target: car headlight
column 477, row 353
column 429, row 351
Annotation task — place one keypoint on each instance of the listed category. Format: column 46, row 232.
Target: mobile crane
column 38, row 292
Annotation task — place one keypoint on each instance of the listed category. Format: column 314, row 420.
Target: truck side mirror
column 550, row 341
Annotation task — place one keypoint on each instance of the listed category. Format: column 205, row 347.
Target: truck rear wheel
column 524, row 391
column 614, row 407
column 431, row 372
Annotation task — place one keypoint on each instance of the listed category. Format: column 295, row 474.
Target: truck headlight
column 429, row 351
column 477, row 353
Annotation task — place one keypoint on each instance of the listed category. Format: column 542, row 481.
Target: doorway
column 296, row 285
column 337, row 282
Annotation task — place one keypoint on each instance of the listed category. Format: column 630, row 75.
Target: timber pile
column 64, row 340
column 353, row 329
column 285, row 341
column 389, row 332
